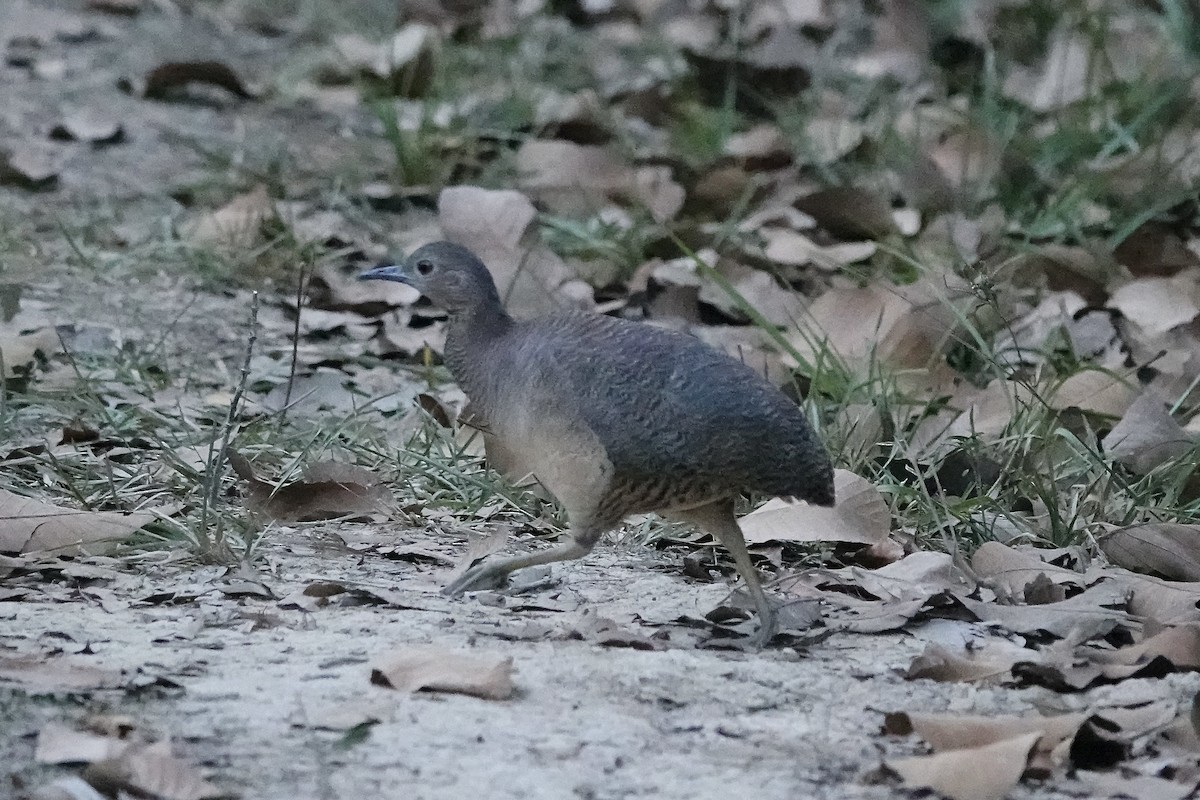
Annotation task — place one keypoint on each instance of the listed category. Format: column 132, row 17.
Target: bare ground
column 260, row 686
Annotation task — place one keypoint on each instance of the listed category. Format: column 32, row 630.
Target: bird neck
column 470, row 337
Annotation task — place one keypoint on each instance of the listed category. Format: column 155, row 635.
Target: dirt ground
column 261, row 696
column 275, row 701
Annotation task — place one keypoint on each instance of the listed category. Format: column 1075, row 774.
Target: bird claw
column 477, row 578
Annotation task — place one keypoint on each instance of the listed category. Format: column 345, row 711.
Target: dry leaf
column 938, row 663
column 1062, row 79
column 325, row 491
column 19, row 349
column 961, row 731
column 861, row 516
column 493, row 224
column 849, row 213
column 28, row 525
column 1179, row 644
column 89, row 126
column 165, row 78
column 580, row 179
column 42, row 675
column 1093, row 612
column 976, row 773
column 58, row 744
column 436, row 669
column 785, row 246
column 1095, row 391
column 1156, row 305
column 29, row 167
column 236, row 225
column 999, row 564
column 152, row 771
column 1167, row 549
column 1147, row 436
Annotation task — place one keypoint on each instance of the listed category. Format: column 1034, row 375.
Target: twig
column 216, row 454
column 301, row 284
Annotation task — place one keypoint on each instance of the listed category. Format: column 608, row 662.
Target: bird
column 617, row 417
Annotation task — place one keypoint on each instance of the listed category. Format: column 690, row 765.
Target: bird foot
column 765, row 633
column 477, row 578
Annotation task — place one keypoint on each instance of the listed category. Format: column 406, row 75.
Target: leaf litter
column 805, row 252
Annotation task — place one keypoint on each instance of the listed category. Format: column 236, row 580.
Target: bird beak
column 386, row 273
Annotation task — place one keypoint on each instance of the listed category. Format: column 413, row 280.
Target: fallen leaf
column 28, row 525
column 152, row 771
column 975, row 773
column 1178, row 644
column 165, row 78
column 938, row 663
column 961, row 731
column 236, row 225
column 1095, row 391
column 998, row 564
column 1168, row 549
column 493, row 224
column 861, row 516
column 326, row 490
column 1064, row 77
column 89, row 126
column 1147, row 436
column 18, row 350
column 58, row 744
column 1093, row 612
column 849, row 213
column 43, row 675
column 1156, row 305
column 437, row 669
column 29, row 167
column 579, row 179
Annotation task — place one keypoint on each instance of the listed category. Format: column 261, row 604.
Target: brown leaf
column 436, row 669
column 938, row 663
column 177, row 74
column 849, row 213
column 1179, row 644
column 1065, row 76
column 579, row 179
column 28, row 525
column 325, row 490
column 786, row 246
column 1168, row 549
column 861, row 516
column 959, row 731
column 1095, row 391
column 1147, row 436
column 976, row 773
column 236, row 225
column 1156, row 305
column 999, row 564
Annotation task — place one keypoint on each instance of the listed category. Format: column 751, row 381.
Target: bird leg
column 492, row 573
column 718, row 519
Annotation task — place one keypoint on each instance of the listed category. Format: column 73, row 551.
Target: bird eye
column 424, row 266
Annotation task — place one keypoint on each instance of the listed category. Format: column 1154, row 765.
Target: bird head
column 451, row 276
